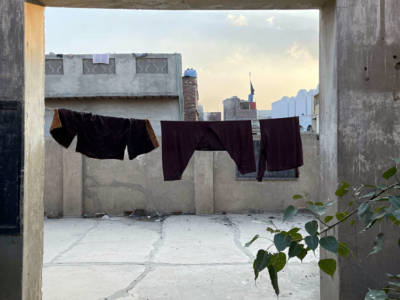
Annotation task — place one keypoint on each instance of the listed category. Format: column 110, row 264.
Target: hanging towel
column 101, row 58
column 181, row 139
column 103, row 137
column 280, row 145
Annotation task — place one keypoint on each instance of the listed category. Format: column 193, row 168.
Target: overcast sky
column 279, row 48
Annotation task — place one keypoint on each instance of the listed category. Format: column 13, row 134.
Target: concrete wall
column 233, row 110
column 142, row 108
column 21, row 81
column 208, row 185
column 359, row 109
column 125, row 83
column 231, row 195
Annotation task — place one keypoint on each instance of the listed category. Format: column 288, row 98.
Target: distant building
column 264, row 114
column 301, row 106
column 236, row 109
column 212, row 116
column 315, row 113
column 145, row 86
column 200, row 110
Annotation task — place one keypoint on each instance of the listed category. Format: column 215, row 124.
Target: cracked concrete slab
column 122, row 240
column 185, row 257
column 72, row 230
column 86, row 282
column 199, row 239
column 224, row 282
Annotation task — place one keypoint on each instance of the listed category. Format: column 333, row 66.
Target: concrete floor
column 184, row 257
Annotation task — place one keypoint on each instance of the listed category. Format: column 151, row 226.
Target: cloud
column 239, row 20
column 270, row 21
column 298, row 52
column 280, row 28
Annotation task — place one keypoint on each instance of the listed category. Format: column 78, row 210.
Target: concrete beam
column 186, row 4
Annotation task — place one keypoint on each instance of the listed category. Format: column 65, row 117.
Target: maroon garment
column 280, row 145
column 181, row 139
column 103, row 137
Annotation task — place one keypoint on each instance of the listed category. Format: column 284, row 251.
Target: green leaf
column 340, row 216
column 281, row 241
column 312, row 242
column 302, row 254
column 328, row 218
column 383, row 186
column 254, row 238
column 397, row 187
column 378, row 244
column 376, row 295
column 297, row 197
column 363, row 209
column 319, row 203
column 351, row 203
column 318, row 209
column 368, row 222
column 394, row 283
column 294, row 249
column 296, row 236
column 386, row 289
column 273, row 275
column 255, row 269
column 343, row 249
column 352, row 222
column 330, row 243
column 263, row 258
column 396, row 159
column 311, row 227
column 343, row 189
column 390, row 173
column 309, row 202
column 392, row 276
column 289, row 213
column 369, row 195
column 328, row 266
column 330, row 203
column 269, row 229
column 278, row 260
column 370, row 185
column 293, row 230
column 395, row 201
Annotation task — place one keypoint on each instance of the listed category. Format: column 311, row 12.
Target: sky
column 279, row 48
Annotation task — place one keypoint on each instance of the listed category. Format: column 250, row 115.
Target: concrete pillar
column 22, row 114
column 204, row 182
column 72, row 183
column 359, row 111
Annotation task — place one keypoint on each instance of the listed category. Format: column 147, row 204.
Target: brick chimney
column 190, row 103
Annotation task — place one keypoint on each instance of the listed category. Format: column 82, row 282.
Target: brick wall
column 190, row 102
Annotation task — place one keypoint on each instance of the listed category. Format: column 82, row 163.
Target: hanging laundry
column 103, row 137
column 101, row 58
column 181, row 139
column 280, row 145
column 59, row 55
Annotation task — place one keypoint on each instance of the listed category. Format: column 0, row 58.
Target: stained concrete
column 185, row 257
column 187, row 4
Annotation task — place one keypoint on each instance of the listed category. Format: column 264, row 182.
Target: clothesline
column 49, row 108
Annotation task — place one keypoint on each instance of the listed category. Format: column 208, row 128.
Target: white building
column 300, row 106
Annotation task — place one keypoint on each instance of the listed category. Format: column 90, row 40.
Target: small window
column 89, row 68
column 151, row 66
column 277, row 175
column 54, row 67
column 245, row 105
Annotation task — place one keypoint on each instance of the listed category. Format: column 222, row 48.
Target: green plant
column 368, row 205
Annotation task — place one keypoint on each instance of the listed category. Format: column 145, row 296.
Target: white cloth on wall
column 101, row 58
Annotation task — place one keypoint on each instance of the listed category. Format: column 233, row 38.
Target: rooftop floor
column 184, row 257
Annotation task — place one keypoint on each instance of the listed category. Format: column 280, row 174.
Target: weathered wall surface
column 188, row 4
column 208, row 185
column 117, row 186
column 126, row 82
column 362, row 86
column 141, row 108
column 34, row 153
column 231, row 195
